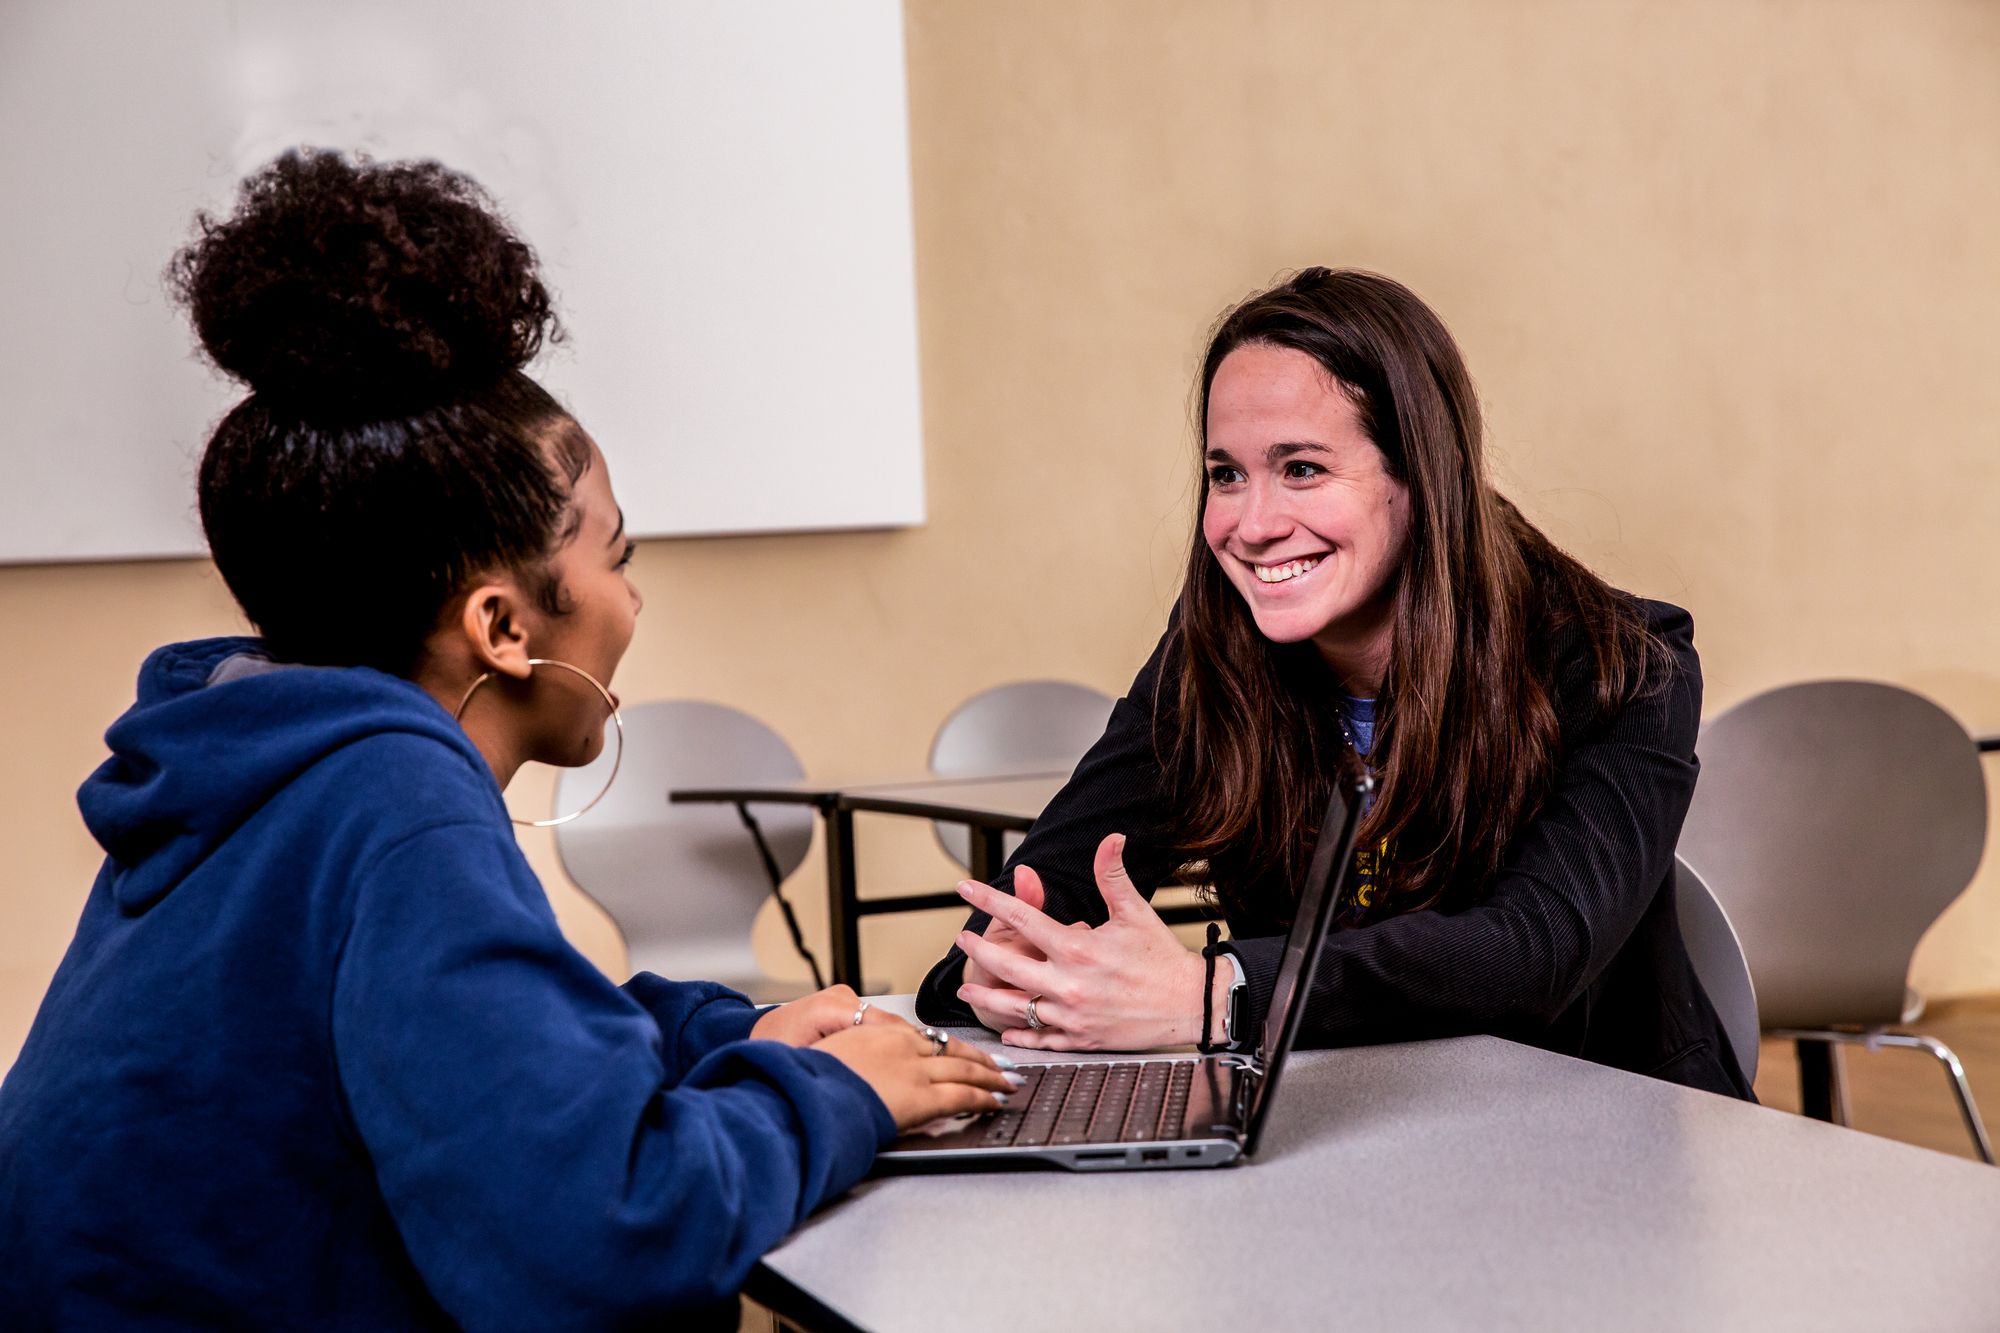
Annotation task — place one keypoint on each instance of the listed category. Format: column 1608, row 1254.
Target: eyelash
column 1224, row 474
column 625, row 556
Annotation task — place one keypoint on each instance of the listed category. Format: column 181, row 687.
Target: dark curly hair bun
column 345, row 288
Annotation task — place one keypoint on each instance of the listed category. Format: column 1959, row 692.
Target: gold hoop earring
column 617, row 758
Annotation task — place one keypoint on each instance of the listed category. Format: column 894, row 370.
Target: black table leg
column 988, row 852
column 843, row 914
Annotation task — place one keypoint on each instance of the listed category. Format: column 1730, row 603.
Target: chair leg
column 1822, row 1096
column 1822, row 1082
column 1955, row 1071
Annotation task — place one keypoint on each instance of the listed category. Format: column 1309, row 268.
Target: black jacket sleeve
column 1571, row 889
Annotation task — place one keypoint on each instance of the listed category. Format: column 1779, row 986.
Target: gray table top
column 1463, row 1184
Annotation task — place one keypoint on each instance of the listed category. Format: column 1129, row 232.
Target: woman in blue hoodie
column 318, row 1054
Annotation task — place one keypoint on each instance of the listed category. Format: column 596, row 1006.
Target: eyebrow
column 1274, row 452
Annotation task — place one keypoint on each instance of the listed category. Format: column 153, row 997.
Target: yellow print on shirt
column 1368, row 866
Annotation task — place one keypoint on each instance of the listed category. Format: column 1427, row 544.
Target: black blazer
column 1573, row 946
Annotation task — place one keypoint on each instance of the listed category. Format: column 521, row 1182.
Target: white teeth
column 1291, row 569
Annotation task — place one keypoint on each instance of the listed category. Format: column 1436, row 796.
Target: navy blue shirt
column 1360, row 717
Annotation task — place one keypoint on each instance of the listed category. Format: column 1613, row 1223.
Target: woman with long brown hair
column 1358, row 593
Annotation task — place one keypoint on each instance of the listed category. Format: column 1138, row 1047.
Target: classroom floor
column 1903, row 1094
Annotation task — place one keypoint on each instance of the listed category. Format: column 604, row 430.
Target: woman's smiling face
column 1301, row 511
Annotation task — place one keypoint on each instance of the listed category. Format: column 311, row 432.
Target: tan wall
column 1726, row 273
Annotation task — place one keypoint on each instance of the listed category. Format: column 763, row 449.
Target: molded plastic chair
column 1026, row 726
column 1718, row 962
column 684, row 882
column 1835, row 820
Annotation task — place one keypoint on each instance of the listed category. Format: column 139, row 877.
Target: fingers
column 1002, row 1002
column 1025, row 919
column 957, row 1099
column 1112, row 882
column 1011, row 1008
column 1028, row 888
column 874, row 1017
column 972, row 1073
column 954, row 1049
column 1004, row 964
column 1044, row 1039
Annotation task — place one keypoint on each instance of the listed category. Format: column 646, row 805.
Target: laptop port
column 1153, row 1155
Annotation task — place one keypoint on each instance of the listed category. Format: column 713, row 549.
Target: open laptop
column 1143, row 1113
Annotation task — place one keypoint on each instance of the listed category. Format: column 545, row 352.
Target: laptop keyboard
column 1129, row 1101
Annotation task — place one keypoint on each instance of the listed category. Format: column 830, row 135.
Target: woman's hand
column 914, row 1084
column 976, row 980
column 1127, row 985
column 821, row 1014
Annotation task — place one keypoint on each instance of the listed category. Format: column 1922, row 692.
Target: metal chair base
column 1823, row 1091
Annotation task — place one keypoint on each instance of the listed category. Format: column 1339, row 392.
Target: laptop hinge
column 1249, row 1073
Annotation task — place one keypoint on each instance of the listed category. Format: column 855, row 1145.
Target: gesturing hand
column 823, row 1013
column 978, row 980
column 1127, row 985
column 914, row 1084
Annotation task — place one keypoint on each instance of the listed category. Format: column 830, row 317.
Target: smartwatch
column 1233, row 1013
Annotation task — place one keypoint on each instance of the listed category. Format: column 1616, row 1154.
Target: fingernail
column 1003, row 1061
column 1018, row 1080
column 964, row 887
column 1002, row 1098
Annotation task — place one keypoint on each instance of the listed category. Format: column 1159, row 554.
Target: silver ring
column 1034, row 1021
column 938, row 1039
column 859, row 1010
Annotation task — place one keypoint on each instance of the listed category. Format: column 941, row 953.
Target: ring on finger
column 937, row 1039
column 1034, row 1020
column 859, row 1010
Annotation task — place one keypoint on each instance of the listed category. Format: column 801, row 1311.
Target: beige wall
column 1726, row 272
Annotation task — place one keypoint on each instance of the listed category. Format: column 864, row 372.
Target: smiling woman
column 1358, row 594
column 1302, row 514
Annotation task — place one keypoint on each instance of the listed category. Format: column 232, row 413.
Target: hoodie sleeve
column 695, row 1017
column 556, row 1152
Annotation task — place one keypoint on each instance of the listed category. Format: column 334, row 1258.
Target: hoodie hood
column 199, row 752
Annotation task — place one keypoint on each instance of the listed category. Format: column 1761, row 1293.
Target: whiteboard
column 719, row 190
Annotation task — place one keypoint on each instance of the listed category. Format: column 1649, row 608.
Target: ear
column 496, row 628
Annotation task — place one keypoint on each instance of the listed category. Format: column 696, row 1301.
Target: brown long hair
column 1467, row 737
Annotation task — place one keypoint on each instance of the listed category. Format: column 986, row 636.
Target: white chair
column 1718, row 963
column 1835, row 820
column 685, row 882
column 1026, row 726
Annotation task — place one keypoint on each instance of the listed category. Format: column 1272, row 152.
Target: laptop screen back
column 1332, row 863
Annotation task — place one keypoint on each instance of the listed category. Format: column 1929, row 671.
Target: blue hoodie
column 319, row 1056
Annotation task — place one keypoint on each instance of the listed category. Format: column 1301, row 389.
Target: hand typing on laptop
column 919, row 1076
column 1127, row 985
